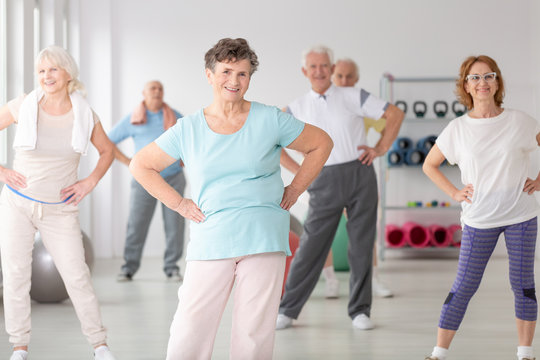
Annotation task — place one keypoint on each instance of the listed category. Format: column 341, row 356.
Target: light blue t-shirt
column 144, row 134
column 236, row 181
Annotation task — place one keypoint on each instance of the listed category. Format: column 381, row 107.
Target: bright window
column 3, row 74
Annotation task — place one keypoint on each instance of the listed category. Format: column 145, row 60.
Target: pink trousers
column 204, row 295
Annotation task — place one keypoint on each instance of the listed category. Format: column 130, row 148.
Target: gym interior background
column 121, row 44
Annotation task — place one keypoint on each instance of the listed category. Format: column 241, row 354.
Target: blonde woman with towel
column 55, row 126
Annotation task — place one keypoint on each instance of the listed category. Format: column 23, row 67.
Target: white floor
column 138, row 315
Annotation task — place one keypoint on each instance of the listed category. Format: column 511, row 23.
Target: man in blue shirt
column 146, row 123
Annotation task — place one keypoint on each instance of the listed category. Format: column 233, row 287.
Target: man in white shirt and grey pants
column 347, row 181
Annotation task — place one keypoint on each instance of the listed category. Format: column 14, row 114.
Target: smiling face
column 345, row 74
column 52, row 78
column 482, row 90
column 153, row 95
column 318, row 70
column 230, row 80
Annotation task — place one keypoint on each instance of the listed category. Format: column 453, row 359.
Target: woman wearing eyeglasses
column 491, row 146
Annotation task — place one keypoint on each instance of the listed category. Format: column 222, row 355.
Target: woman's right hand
column 12, row 178
column 188, row 209
column 464, row 194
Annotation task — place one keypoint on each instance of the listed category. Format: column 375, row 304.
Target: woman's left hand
column 77, row 191
column 531, row 185
column 290, row 196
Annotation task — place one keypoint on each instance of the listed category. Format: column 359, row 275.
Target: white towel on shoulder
column 83, row 124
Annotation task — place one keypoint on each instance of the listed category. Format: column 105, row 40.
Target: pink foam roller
column 395, row 238
column 440, row 236
column 416, row 235
column 455, row 234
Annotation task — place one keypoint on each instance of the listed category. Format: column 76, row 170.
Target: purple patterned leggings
column 476, row 248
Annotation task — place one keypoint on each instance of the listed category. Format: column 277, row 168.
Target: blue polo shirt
column 144, row 134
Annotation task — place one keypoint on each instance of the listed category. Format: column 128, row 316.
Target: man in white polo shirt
column 346, row 181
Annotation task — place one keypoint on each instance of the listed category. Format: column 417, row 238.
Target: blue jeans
column 142, row 206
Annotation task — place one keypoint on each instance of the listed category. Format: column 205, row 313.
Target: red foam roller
column 455, row 234
column 416, row 235
column 440, row 236
column 294, row 241
column 395, row 238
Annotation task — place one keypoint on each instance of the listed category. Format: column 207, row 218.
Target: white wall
column 124, row 43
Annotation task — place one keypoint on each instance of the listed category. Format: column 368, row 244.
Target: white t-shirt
column 493, row 156
column 340, row 112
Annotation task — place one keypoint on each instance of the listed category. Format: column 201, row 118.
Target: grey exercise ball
column 47, row 285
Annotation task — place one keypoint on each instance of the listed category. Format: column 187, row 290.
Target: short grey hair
column 352, row 62
column 318, row 49
column 61, row 58
column 228, row 49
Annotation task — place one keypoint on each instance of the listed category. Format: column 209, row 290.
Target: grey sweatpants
column 141, row 210
column 352, row 186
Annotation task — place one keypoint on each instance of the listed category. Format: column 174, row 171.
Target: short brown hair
column 463, row 96
column 227, row 50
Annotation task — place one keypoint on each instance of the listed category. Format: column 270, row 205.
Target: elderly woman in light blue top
column 239, row 207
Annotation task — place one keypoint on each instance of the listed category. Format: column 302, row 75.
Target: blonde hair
column 61, row 58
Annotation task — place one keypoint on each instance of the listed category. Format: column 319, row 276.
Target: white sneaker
column 283, row 322
column 331, row 289
column 19, row 355
column 103, row 353
column 380, row 290
column 362, row 322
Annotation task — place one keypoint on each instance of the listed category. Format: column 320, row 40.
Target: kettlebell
column 440, row 108
column 420, row 108
column 402, row 105
column 458, row 108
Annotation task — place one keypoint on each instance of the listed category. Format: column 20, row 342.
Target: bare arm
column 533, row 185
column 6, row 118
column 8, row 176
column 145, row 168
column 431, row 166
column 83, row 187
column 288, row 162
column 394, row 117
column 316, row 145
column 120, row 156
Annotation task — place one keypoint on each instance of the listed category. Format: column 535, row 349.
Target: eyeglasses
column 475, row 78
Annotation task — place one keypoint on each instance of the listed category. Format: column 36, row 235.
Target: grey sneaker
column 124, row 276
column 174, row 276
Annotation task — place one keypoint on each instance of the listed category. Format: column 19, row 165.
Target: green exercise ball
column 339, row 246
